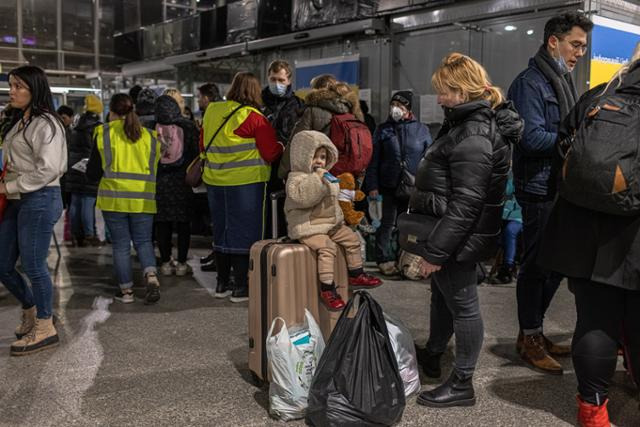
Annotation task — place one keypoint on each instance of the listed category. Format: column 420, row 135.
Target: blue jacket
column 385, row 167
column 536, row 102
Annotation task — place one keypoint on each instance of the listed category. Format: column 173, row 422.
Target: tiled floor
column 184, row 361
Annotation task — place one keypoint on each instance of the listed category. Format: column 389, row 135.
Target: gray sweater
column 36, row 158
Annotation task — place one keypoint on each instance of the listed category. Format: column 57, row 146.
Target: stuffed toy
column 349, row 195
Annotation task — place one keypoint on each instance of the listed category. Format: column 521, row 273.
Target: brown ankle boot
column 556, row 349
column 592, row 415
column 28, row 322
column 41, row 337
column 535, row 355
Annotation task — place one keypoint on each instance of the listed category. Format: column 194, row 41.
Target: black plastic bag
column 357, row 381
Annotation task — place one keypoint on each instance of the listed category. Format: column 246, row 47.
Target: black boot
column 454, row 392
column 504, row 275
column 430, row 362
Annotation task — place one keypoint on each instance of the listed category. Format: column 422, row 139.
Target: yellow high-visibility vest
column 231, row 160
column 129, row 181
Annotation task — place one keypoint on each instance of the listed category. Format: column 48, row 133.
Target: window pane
column 106, row 27
column 78, row 62
column 39, row 24
column 8, row 23
column 43, row 60
column 77, row 25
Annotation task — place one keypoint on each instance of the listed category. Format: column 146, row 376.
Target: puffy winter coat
column 462, row 180
column 312, row 204
column 321, row 105
column 81, row 144
column 390, row 141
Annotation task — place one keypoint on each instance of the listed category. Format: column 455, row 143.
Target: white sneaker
column 167, row 269
column 125, row 297
column 182, row 269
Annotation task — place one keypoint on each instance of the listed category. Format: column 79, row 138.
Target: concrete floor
column 183, row 362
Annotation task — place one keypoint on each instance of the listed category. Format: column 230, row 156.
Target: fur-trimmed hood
column 304, row 146
column 331, row 101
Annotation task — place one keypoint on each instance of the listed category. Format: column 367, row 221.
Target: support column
column 59, row 34
column 20, row 29
column 96, row 34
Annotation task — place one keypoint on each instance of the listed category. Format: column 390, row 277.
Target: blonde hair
column 460, row 73
column 175, row 94
column 623, row 70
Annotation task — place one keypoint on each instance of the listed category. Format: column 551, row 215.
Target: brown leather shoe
column 536, row 356
column 556, row 349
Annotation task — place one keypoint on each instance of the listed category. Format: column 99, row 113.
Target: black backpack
column 601, row 170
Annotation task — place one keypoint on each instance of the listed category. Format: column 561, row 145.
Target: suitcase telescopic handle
column 274, row 211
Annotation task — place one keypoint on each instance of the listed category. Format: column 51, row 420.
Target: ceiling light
column 510, row 28
column 529, row 32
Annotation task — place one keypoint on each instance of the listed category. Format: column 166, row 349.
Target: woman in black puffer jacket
column 461, row 181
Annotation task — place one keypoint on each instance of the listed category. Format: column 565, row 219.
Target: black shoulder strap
column 221, row 126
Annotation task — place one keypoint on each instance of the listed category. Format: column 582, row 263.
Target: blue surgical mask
column 278, row 89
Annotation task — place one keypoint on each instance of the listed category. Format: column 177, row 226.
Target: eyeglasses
column 577, row 46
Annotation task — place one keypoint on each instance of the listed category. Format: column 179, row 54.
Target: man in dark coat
column 82, row 189
column 543, row 94
column 282, row 108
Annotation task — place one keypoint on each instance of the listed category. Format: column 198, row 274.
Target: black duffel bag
column 357, row 381
column 414, row 230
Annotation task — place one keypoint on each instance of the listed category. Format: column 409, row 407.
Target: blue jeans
column 25, row 232
column 510, row 233
column 536, row 286
column 82, row 213
column 124, row 228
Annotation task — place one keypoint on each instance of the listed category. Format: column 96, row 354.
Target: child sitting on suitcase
column 314, row 215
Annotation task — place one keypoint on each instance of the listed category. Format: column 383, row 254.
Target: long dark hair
column 122, row 105
column 41, row 100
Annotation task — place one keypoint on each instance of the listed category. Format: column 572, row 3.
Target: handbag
column 407, row 183
column 193, row 177
column 414, row 230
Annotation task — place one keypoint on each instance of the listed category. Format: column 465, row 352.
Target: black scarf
column 562, row 84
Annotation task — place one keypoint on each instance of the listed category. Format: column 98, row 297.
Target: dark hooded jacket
column 81, row 144
column 282, row 112
column 586, row 244
column 173, row 195
column 321, row 105
column 462, row 180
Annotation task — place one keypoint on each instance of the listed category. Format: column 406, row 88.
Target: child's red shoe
column 332, row 300
column 364, row 281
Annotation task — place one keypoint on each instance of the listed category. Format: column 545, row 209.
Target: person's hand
column 320, row 172
column 426, row 268
column 373, row 194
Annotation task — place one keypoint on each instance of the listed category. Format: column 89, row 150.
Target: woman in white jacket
column 35, row 157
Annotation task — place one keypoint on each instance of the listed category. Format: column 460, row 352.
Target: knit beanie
column 146, row 102
column 93, row 104
column 404, row 97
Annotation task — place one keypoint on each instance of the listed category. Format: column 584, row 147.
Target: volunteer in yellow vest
column 243, row 144
column 125, row 159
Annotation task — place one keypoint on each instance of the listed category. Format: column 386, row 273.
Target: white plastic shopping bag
column 293, row 357
column 405, row 351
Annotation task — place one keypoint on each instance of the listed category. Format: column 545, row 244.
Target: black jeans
column 455, row 308
column 536, row 286
column 607, row 316
column 240, row 265
column 164, row 233
column 391, row 207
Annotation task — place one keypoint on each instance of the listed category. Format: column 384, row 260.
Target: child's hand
column 320, row 172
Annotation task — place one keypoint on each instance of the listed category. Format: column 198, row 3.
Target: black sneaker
column 207, row 259
column 210, row 266
column 224, row 289
column 240, row 294
column 153, row 289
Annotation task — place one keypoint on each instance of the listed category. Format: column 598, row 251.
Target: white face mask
column 396, row 113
